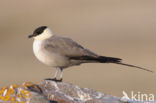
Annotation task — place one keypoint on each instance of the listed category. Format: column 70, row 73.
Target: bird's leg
column 61, row 74
column 55, row 76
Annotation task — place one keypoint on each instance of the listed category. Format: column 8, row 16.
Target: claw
column 54, row 79
column 61, row 80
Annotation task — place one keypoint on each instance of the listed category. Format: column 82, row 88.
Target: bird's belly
column 49, row 58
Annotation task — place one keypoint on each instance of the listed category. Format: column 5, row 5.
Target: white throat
column 46, row 34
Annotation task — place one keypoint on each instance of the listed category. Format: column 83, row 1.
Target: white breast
column 36, row 47
column 39, row 53
column 46, row 57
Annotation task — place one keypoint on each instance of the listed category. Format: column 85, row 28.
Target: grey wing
column 67, row 47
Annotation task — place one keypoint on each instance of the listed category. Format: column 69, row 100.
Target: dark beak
column 31, row 35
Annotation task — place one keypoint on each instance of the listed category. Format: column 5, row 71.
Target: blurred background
column 117, row 28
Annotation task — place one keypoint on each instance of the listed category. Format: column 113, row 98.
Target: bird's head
column 41, row 33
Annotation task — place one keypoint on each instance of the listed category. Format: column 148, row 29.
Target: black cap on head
column 38, row 31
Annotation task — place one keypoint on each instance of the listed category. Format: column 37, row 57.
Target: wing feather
column 66, row 47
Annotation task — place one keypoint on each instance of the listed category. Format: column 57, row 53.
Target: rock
column 69, row 93
column 54, row 92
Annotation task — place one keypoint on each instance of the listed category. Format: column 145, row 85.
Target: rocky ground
column 54, row 92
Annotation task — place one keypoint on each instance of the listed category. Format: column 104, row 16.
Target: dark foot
column 61, row 80
column 54, row 79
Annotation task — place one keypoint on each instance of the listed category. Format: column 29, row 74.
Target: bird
column 61, row 52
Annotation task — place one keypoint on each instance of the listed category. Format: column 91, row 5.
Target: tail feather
column 104, row 59
column 134, row 66
column 101, row 59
